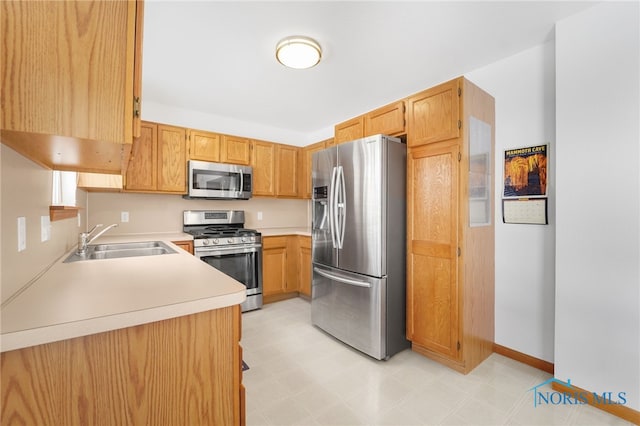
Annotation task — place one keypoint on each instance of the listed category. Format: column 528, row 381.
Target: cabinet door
column 263, row 161
column 432, row 261
column 304, row 265
column 349, row 130
column 204, row 146
column 434, row 115
column 235, row 150
column 388, row 120
column 172, row 159
column 307, row 167
column 274, row 265
column 287, row 171
column 185, row 245
column 142, row 171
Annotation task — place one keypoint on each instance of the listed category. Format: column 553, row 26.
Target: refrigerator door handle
column 342, row 205
column 341, row 279
column 332, row 207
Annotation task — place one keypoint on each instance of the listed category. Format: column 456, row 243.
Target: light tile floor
column 301, row 376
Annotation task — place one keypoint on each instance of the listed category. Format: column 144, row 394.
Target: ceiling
column 218, row 57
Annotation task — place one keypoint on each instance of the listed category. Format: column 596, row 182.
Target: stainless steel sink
column 115, row 251
column 128, row 246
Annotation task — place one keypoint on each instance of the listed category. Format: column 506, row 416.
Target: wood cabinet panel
column 142, row 171
column 450, row 263
column 172, row 159
column 304, row 265
column 388, row 120
column 287, row 171
column 349, row 130
column 178, row 371
column 307, row 167
column 204, row 146
column 432, row 311
column 274, row 265
column 434, row 114
column 186, row 245
column 263, row 161
column 70, row 72
column 235, row 150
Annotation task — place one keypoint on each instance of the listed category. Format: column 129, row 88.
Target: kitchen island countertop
column 81, row 298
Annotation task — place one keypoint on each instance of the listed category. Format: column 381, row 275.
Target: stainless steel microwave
column 219, row 181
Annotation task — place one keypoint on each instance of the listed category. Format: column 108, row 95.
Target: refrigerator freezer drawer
column 350, row 307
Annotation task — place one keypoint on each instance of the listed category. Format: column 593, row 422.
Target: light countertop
column 272, row 232
column 76, row 299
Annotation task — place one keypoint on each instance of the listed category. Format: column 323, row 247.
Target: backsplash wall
column 163, row 213
column 26, row 192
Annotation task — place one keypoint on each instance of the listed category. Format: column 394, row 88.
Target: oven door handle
column 227, row 250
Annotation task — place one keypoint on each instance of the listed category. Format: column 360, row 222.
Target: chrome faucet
column 84, row 238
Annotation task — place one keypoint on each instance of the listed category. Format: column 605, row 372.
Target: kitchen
column 528, row 306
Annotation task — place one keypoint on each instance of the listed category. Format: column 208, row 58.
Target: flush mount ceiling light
column 298, row 52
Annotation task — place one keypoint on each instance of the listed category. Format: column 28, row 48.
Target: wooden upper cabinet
column 204, row 146
column 287, row 165
column 388, row 120
column 263, row 161
column 143, row 165
column 172, row 159
column 349, row 130
column 434, row 114
column 235, row 150
column 159, row 160
column 307, row 167
column 70, row 74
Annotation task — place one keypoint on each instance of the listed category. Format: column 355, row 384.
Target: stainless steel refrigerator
column 358, row 244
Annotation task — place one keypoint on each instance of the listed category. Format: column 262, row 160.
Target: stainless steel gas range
column 220, row 239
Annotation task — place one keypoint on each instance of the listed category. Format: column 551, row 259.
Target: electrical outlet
column 45, row 228
column 22, row 234
column 79, row 220
column 124, row 216
column 259, row 215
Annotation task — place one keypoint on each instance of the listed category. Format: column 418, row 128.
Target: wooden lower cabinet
column 304, row 265
column 186, row 245
column 180, row 371
column 286, row 267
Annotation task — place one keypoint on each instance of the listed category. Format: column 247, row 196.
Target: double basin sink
column 120, row 250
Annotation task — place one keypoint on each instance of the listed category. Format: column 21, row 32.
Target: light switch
column 22, row 234
column 45, row 228
column 124, row 216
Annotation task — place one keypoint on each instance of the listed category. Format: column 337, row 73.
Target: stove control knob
column 205, row 242
column 244, row 239
column 230, row 240
column 215, row 241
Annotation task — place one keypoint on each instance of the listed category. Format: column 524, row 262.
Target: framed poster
column 525, row 172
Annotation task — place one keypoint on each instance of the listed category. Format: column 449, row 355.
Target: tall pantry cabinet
column 450, row 229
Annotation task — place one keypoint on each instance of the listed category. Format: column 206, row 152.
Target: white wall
column 163, row 213
column 152, row 111
column 598, row 206
column 26, row 192
column 523, row 86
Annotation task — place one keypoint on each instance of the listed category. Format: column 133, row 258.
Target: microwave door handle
column 241, row 182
